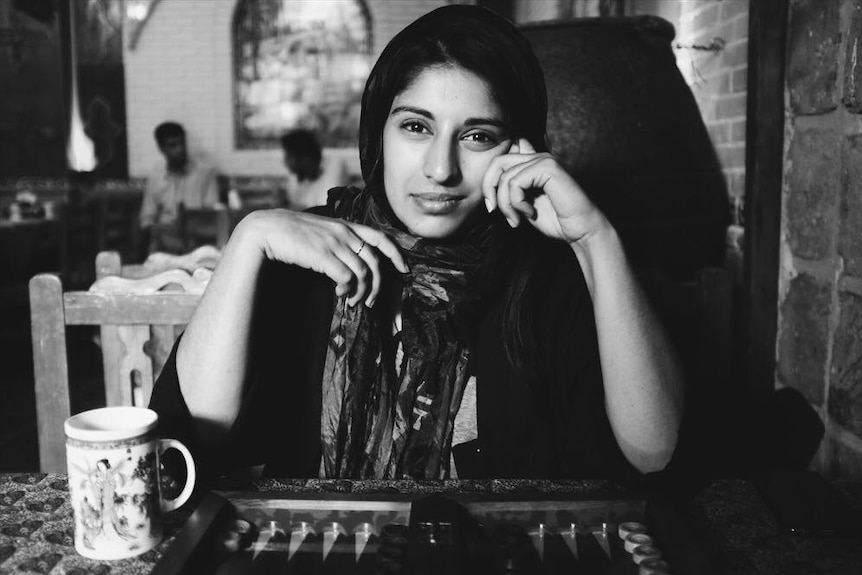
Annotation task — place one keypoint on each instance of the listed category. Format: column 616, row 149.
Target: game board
column 346, row 534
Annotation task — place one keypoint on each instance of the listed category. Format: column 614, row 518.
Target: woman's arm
column 642, row 379
column 212, row 358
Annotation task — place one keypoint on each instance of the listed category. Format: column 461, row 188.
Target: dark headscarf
column 377, row 420
column 380, row 419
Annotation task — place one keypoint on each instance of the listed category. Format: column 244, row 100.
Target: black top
column 550, row 423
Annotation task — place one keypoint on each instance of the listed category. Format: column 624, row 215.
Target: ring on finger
column 361, row 247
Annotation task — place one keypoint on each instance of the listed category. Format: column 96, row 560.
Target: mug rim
column 127, row 422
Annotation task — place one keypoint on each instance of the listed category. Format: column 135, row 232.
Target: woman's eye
column 414, row 127
column 482, row 139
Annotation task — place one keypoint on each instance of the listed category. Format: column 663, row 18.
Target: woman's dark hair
column 488, row 45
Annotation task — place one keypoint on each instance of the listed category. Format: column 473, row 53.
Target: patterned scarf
column 381, row 422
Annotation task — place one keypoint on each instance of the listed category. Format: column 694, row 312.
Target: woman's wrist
column 249, row 237
column 600, row 246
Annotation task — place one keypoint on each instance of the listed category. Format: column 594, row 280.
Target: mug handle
column 171, row 504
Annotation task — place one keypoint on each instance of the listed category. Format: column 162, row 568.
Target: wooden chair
column 131, row 313
column 111, row 264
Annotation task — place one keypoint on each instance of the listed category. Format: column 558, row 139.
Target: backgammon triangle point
column 571, row 540
column 361, row 542
column 602, row 538
column 264, row 537
column 538, row 541
column 328, row 541
column 296, row 539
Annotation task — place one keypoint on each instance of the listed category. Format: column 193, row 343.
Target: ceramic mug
column 113, row 455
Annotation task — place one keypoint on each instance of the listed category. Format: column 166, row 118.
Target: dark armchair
column 623, row 121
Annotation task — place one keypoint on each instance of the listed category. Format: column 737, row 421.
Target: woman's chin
column 435, row 227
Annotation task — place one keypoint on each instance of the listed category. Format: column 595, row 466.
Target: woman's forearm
column 642, row 378
column 212, row 355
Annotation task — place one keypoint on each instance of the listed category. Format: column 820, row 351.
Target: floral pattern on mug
column 115, row 498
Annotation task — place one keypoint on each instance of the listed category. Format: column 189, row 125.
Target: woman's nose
column 442, row 164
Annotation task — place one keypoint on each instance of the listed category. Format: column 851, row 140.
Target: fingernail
column 488, row 205
column 369, row 303
column 512, row 222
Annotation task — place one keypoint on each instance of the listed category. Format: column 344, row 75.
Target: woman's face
column 442, row 132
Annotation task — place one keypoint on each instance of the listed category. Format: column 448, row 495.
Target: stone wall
column 819, row 347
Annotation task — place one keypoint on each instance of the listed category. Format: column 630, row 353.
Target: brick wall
column 181, row 69
column 819, row 348
column 717, row 76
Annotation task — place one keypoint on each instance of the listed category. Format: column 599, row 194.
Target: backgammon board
column 357, row 534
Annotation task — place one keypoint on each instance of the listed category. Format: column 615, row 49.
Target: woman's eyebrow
column 412, row 110
column 486, row 122
column 490, row 121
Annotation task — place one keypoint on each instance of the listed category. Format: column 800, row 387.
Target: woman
column 485, row 321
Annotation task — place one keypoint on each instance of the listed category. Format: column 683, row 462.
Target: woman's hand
column 531, row 185
column 348, row 253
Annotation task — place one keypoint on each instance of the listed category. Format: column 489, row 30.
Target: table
column 727, row 521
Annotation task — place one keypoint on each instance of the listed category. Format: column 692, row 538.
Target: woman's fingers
column 516, row 185
column 346, row 252
column 362, row 270
column 334, row 266
column 495, row 193
column 525, row 146
column 361, row 253
column 375, row 242
column 527, row 183
column 512, row 201
column 384, row 244
column 367, row 253
column 492, row 176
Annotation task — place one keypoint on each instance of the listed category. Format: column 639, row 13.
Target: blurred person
column 182, row 180
column 310, row 174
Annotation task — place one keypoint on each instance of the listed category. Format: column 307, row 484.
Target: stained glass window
column 299, row 63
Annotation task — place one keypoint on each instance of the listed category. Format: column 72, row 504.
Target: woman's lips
column 436, row 204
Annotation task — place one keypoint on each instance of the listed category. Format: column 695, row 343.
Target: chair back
column 625, row 124
column 131, row 313
column 111, row 264
column 623, row 121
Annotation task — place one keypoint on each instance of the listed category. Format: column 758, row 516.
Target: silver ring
column 361, row 247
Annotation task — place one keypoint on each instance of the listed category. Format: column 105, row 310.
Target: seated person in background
column 310, row 174
column 469, row 313
column 180, row 181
